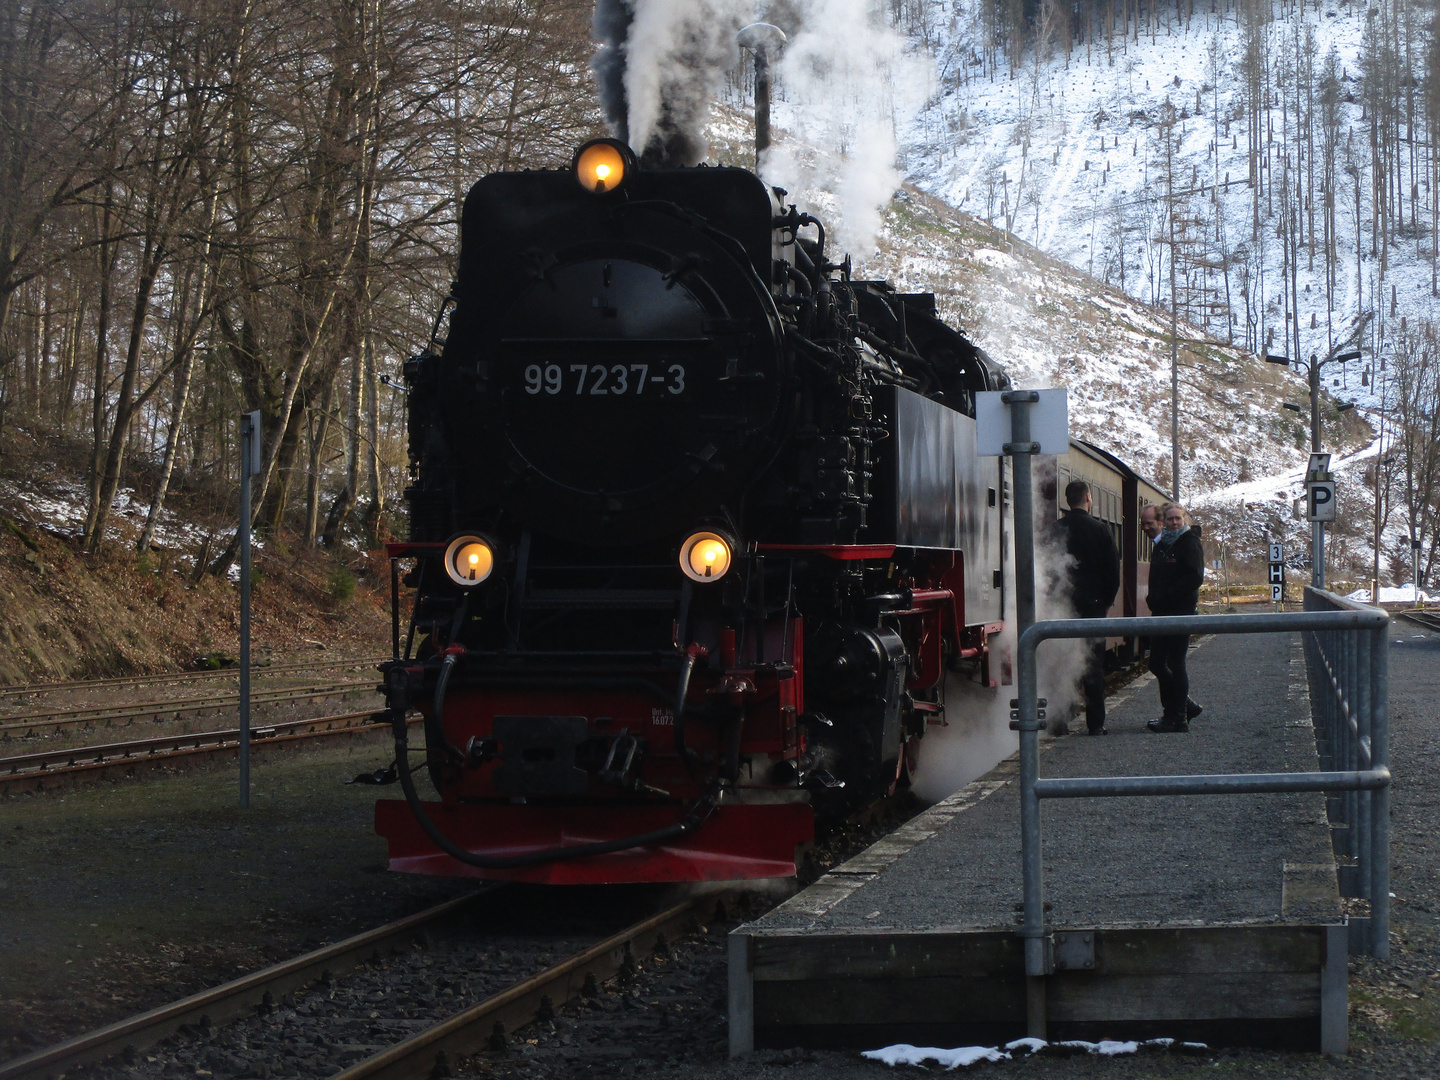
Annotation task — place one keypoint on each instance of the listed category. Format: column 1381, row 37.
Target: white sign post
column 1319, row 508
column 1320, row 500
column 1277, row 573
column 1036, row 424
column 1049, row 422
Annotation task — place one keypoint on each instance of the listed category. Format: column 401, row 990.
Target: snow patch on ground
column 965, row 1056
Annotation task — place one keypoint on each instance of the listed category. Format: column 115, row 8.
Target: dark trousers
column 1167, row 661
column 1093, row 683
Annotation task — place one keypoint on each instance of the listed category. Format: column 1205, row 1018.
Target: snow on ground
column 1394, row 594
column 59, row 507
column 965, row 1056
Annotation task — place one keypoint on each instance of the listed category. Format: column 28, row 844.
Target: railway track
column 56, row 720
column 229, row 1001
column 432, row 1042
column 74, row 685
column 50, row 768
column 1430, row 620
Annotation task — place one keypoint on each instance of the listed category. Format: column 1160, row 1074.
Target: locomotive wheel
column 909, row 763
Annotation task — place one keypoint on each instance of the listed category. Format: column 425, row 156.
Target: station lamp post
column 1317, row 547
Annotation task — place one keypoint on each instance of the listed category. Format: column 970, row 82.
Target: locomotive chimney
column 763, row 40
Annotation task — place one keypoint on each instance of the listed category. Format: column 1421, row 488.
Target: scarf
column 1169, row 536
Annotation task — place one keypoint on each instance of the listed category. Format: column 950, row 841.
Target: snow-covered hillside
column 1038, row 208
column 1070, row 152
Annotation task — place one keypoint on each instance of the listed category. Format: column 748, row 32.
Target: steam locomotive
column 698, row 530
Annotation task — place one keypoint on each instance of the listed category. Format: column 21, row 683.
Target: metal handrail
column 1353, row 703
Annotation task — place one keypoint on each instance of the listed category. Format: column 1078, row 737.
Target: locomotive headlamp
column 602, row 165
column 469, row 560
column 705, row 556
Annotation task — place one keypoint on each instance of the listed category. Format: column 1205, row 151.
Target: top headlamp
column 603, row 165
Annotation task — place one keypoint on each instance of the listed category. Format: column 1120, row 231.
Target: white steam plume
column 846, row 81
column 977, row 734
column 676, row 55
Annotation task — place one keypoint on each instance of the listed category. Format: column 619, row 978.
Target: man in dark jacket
column 1094, row 581
column 1177, row 568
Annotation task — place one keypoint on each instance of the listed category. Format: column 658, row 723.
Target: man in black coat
column 1177, row 568
column 1094, row 581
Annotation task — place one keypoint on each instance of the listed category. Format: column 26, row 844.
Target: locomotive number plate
column 604, row 380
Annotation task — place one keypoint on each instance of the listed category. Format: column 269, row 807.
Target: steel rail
column 72, row 685
column 1430, row 620
column 60, row 717
column 228, row 1001
column 194, row 740
column 27, row 772
column 428, row 1052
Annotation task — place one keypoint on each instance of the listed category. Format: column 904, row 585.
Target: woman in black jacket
column 1177, row 568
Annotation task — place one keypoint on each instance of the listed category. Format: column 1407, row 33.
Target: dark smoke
column 658, row 68
column 610, row 28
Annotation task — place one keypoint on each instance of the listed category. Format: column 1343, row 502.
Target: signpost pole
column 1037, row 423
column 249, row 466
column 1319, row 508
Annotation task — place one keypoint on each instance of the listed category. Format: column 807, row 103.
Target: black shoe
column 1166, row 725
column 1097, row 731
column 1192, row 710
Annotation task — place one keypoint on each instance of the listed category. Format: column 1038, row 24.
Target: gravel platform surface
column 1128, row 860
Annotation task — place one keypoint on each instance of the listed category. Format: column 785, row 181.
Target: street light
column 1317, row 574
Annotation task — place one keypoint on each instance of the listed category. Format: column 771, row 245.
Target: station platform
column 1211, row 918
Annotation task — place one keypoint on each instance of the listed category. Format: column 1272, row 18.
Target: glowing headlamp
column 705, row 556
column 603, row 165
column 469, row 560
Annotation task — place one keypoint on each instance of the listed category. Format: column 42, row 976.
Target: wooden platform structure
column 1223, row 925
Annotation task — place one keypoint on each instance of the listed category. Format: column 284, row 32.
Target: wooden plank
column 1132, row 951
column 895, row 955
column 872, row 1036
column 1206, row 950
column 1082, row 996
column 741, row 995
column 860, row 1000
column 1335, row 992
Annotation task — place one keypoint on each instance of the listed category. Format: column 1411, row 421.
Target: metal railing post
column 1352, row 747
column 1380, row 800
column 1360, row 698
column 1348, row 675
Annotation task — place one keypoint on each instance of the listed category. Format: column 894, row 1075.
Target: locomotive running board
column 737, row 842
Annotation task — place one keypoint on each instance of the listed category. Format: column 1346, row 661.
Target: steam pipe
column 762, row 39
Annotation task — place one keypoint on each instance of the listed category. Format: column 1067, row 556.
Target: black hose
column 688, row 756
column 696, row 816
column 794, row 274
column 435, row 722
column 829, row 359
column 802, row 220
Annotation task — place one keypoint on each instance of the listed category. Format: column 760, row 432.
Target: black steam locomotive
column 698, row 530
